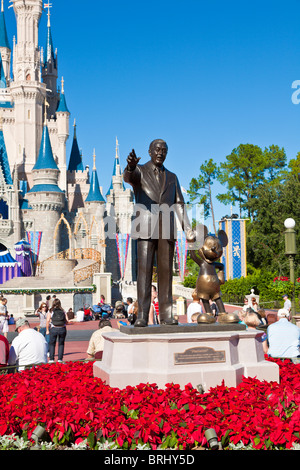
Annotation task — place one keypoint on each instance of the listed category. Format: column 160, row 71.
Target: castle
column 45, row 194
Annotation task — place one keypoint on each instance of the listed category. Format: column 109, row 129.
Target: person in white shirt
column 29, row 347
column 287, row 303
column 80, row 315
column 96, row 343
column 129, row 302
column 194, row 307
column 3, row 317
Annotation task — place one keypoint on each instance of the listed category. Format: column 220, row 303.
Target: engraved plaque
column 200, row 355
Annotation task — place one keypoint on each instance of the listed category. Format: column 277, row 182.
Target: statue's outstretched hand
column 132, row 160
column 191, row 236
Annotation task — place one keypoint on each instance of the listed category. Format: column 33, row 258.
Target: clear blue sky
column 205, row 76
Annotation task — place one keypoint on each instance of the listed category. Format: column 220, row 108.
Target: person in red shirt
column 4, row 351
column 154, row 308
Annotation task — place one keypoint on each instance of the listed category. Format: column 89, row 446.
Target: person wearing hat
column 283, row 337
column 28, row 348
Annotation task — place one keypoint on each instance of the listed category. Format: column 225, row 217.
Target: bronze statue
column 211, row 275
column 158, row 198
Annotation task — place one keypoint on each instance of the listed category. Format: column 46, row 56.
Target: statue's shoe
column 140, row 322
column 169, row 321
column 228, row 318
column 205, row 318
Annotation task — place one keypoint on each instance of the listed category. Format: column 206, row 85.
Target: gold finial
column 94, row 160
column 117, row 147
column 48, row 5
column 62, row 85
column 74, row 125
column 2, row 6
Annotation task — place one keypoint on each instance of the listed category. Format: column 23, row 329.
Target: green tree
column 294, row 165
column 274, row 203
column 200, row 188
column 245, row 170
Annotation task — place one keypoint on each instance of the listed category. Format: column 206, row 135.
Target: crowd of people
column 34, row 345
column 281, row 338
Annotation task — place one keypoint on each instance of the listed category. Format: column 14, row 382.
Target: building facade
column 46, row 196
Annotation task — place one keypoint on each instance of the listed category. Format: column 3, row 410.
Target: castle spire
column 3, row 83
column 4, row 42
column 45, row 158
column 62, row 104
column 49, row 50
column 75, row 163
column 117, row 176
column 94, row 192
column 94, row 160
column 116, row 169
column 49, row 68
column 3, row 156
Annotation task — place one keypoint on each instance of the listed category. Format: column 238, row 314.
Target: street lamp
column 291, row 251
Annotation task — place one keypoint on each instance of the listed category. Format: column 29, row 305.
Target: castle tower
column 62, row 120
column 27, row 91
column 94, row 210
column 49, row 70
column 120, row 205
column 77, row 177
column 89, row 220
column 45, row 197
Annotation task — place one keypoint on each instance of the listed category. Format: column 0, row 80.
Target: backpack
column 58, row 318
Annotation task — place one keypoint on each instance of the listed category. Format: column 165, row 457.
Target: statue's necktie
column 158, row 174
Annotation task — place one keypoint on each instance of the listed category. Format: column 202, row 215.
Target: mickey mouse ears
column 202, row 232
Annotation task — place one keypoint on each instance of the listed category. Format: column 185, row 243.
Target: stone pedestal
column 297, row 320
column 196, row 354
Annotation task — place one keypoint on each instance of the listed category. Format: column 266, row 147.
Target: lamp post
column 291, row 251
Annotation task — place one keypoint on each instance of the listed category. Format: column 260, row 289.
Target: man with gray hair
column 283, row 337
column 28, row 348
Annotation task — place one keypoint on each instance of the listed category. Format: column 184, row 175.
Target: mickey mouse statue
column 211, row 273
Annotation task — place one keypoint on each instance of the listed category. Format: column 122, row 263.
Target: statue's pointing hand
column 132, row 160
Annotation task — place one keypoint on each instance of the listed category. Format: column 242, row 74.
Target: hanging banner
column 181, row 251
column 23, row 255
column 34, row 239
column 122, row 240
column 234, row 255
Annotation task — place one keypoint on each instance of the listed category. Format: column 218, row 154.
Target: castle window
column 3, row 209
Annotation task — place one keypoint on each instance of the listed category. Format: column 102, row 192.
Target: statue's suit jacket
column 151, row 197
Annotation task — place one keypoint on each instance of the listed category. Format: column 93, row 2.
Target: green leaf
column 91, row 439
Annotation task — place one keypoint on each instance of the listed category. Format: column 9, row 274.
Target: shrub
column 74, row 407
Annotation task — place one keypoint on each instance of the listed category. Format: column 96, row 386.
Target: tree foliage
column 267, row 191
column 265, row 234
column 246, row 169
column 201, row 187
